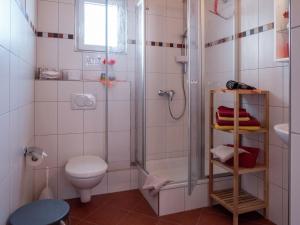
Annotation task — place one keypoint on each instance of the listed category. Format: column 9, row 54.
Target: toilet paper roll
column 33, row 163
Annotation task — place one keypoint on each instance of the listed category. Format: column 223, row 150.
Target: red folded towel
column 229, row 112
column 246, row 160
column 252, row 122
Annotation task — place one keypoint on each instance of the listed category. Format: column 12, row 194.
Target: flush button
column 83, row 102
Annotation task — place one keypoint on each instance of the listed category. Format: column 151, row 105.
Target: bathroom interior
column 121, row 112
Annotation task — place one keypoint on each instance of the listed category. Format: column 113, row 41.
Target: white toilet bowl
column 85, row 173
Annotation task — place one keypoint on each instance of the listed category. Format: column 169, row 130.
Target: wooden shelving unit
column 237, row 200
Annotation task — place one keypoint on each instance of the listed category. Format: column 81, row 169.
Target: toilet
column 85, row 173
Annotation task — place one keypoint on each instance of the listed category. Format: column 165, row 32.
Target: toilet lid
column 86, row 166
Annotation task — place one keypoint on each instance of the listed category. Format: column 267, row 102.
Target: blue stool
column 43, row 212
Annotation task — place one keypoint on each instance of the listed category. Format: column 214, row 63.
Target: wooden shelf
column 240, row 91
column 247, row 202
column 259, row 131
column 242, row 170
column 241, row 201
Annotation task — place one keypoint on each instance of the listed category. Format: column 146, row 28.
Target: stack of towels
column 247, row 155
column 225, row 119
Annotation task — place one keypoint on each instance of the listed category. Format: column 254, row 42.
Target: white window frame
column 79, row 28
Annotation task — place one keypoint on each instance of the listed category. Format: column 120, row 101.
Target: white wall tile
column 276, row 165
column 266, row 11
column 5, row 23
column 17, row 62
column 65, row 189
column 295, row 6
column 198, row 199
column 157, row 7
column 48, row 16
column 4, row 80
column 5, row 146
column 249, row 14
column 69, row 121
column 94, row 144
column 96, row 89
column 275, row 210
column 66, row 18
column 118, row 180
column 47, row 53
column 94, row 120
column 102, row 187
column 294, row 179
column 45, row 118
column 174, row 8
column 5, row 200
column 115, row 121
column 45, row 91
column 119, row 147
column 49, row 144
column 249, row 52
column 69, row 145
column 40, row 181
column 155, row 28
column 171, row 201
column 266, row 49
column 120, row 92
column 68, row 58
column 295, row 67
column 67, row 88
column 275, row 87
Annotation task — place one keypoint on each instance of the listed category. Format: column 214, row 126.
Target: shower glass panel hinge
column 194, row 82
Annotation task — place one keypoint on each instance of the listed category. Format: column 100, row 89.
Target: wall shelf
column 237, row 200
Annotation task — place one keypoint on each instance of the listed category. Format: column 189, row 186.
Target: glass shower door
column 195, row 99
column 140, row 88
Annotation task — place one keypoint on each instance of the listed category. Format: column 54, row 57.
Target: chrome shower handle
column 169, row 93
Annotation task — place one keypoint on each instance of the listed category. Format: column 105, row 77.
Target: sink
column 282, row 131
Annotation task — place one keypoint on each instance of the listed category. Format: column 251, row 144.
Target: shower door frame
column 200, row 129
column 142, row 163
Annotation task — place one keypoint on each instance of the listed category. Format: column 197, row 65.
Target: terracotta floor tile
column 85, row 223
column 74, row 221
column 162, row 222
column 82, row 210
column 138, row 219
column 106, row 215
column 125, row 200
column 142, row 206
column 184, row 218
column 130, row 208
column 214, row 219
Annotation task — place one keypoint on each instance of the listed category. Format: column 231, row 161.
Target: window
column 92, row 29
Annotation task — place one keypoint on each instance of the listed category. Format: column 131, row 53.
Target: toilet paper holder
column 35, row 153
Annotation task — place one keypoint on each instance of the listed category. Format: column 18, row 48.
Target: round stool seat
column 42, row 212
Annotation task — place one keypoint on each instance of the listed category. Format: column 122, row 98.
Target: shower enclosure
column 168, row 90
column 178, row 62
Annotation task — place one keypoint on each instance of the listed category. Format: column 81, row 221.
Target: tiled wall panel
column 257, row 68
column 295, row 122
column 17, row 63
column 65, row 133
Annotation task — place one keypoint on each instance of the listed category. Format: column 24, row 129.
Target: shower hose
column 184, row 107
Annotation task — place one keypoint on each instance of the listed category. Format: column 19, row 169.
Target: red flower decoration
column 110, row 62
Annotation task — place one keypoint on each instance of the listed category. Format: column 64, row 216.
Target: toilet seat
column 84, row 167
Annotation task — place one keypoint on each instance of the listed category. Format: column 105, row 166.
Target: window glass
column 91, row 25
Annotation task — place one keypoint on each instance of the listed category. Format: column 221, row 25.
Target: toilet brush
column 46, row 192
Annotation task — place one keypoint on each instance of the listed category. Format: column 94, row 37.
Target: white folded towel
column 155, row 183
column 224, row 153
